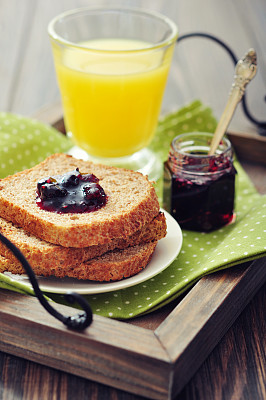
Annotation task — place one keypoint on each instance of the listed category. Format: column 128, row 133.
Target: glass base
column 144, row 161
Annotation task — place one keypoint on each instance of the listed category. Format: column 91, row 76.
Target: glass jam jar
column 199, row 190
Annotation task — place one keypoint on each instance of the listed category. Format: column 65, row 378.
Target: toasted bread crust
column 132, row 203
column 111, row 266
column 46, row 255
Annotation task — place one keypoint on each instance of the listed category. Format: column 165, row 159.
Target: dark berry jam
column 72, row 192
column 203, row 206
column 199, row 190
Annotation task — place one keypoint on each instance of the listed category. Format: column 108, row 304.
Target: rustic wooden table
column 235, row 369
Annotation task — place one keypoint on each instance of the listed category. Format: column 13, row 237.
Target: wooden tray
column 152, row 356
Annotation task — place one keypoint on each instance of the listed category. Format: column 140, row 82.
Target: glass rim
column 200, row 156
column 171, row 38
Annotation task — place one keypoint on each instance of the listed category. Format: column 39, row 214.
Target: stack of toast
column 108, row 244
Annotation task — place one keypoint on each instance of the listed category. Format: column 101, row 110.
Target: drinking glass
column 112, row 67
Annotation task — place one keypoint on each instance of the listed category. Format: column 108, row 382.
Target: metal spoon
column 245, row 70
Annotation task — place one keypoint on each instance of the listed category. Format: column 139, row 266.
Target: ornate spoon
column 245, row 70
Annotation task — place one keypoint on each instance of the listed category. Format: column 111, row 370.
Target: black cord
column 77, row 322
column 260, row 124
column 83, row 320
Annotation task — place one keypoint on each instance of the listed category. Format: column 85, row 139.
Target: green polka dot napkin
column 25, row 142
column 201, row 253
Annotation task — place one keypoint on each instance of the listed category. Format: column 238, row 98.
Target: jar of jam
column 199, row 189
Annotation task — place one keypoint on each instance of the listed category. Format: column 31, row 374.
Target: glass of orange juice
column 112, row 67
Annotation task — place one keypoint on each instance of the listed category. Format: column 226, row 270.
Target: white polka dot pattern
column 193, row 117
column 22, row 140
column 202, row 253
column 25, row 142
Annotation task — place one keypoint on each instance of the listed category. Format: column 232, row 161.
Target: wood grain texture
column 249, row 147
column 117, row 354
column 155, row 364
column 235, row 369
column 231, row 363
column 201, row 68
column 193, row 329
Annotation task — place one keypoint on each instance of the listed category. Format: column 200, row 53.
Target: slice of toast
column 42, row 254
column 132, row 203
column 111, row 266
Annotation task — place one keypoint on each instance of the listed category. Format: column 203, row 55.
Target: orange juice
column 112, row 93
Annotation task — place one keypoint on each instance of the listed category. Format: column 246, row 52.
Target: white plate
column 166, row 251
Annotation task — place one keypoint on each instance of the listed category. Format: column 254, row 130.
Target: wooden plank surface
column 228, row 373
column 109, row 352
column 201, row 69
column 193, row 329
column 249, row 147
column 236, row 367
column 155, row 364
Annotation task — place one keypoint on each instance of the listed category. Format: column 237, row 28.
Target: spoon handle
column 245, row 70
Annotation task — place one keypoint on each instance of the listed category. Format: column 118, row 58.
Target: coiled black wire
column 77, row 322
column 260, row 124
